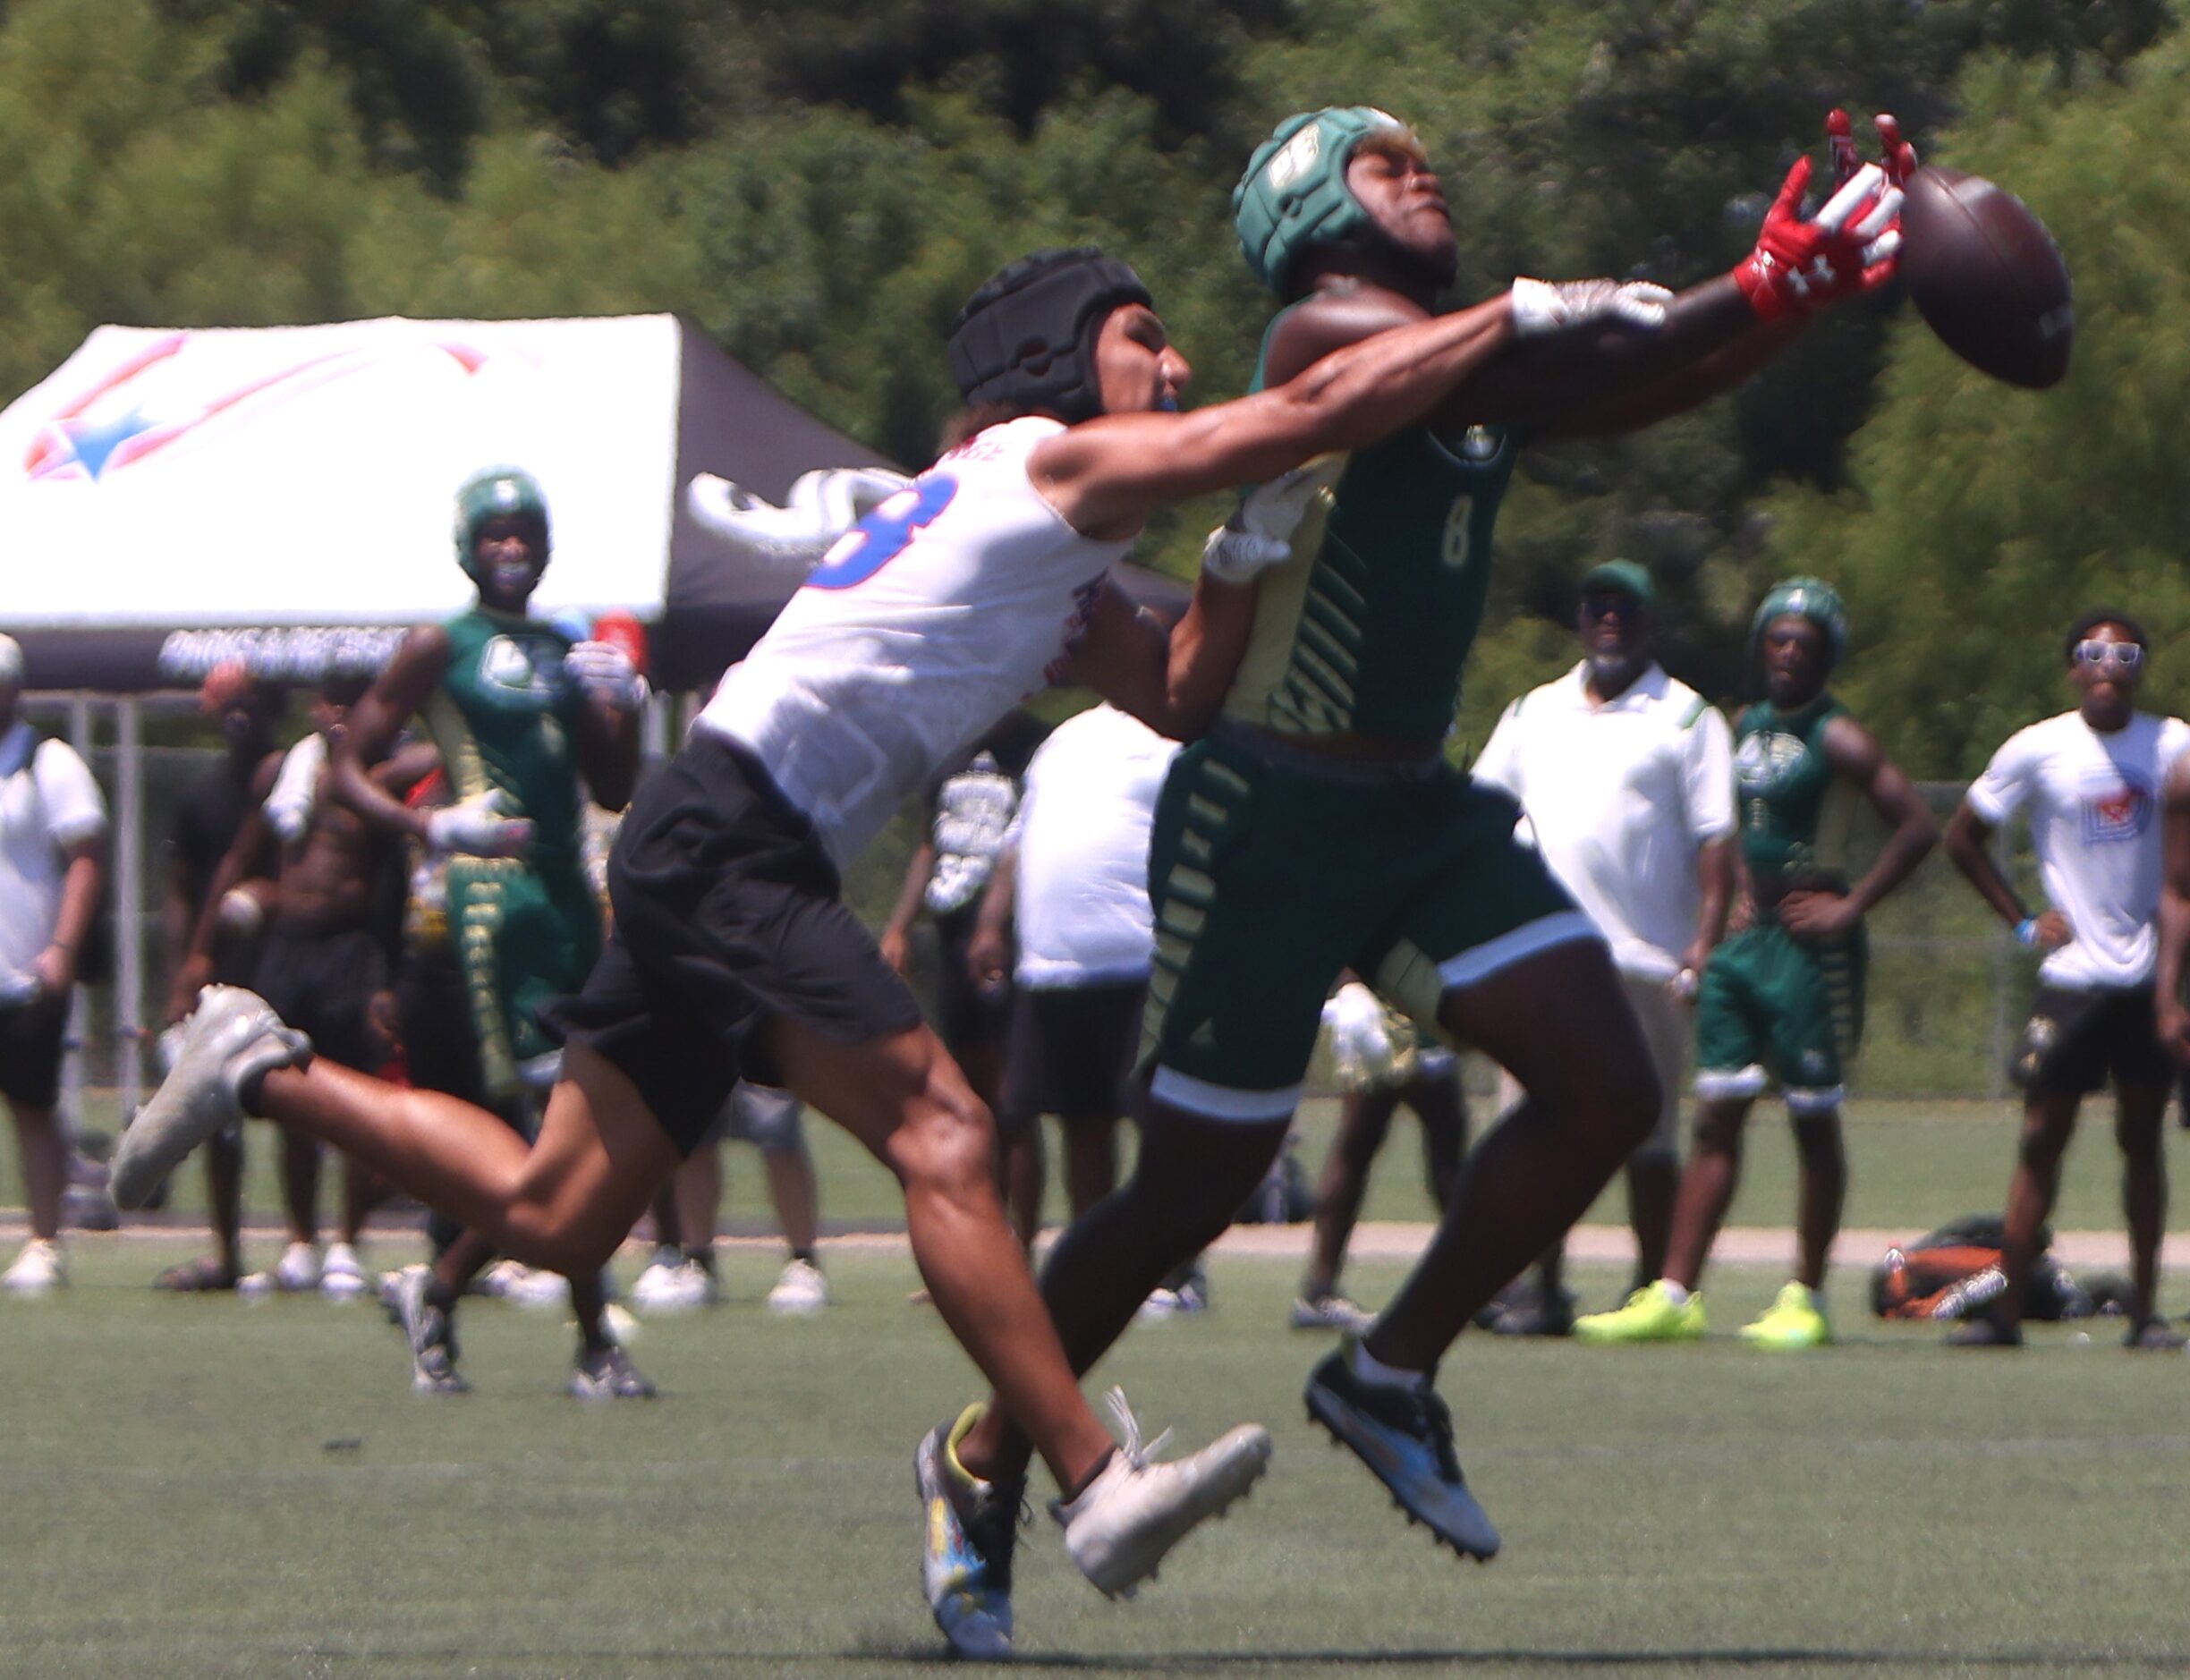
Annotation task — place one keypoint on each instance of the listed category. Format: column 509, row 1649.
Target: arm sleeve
column 75, row 809
column 1708, row 775
column 1999, row 792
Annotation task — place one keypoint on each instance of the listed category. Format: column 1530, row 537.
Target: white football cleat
column 539, row 1289
column 39, row 1270
column 232, row 1038
column 297, row 1271
column 682, row 1285
column 800, row 1292
column 343, row 1277
column 1136, row 1510
column 650, row 1284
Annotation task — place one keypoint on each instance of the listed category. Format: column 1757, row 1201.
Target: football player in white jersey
column 2092, row 783
column 975, row 585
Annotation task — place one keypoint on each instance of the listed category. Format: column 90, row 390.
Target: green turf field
column 1912, row 1165
column 216, row 1488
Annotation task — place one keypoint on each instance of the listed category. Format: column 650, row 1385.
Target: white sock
column 1369, row 1368
column 1674, row 1293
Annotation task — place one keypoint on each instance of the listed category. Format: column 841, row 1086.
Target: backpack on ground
column 1955, row 1273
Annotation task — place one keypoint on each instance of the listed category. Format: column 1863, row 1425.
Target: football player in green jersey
column 520, row 715
column 1318, row 827
column 1783, row 997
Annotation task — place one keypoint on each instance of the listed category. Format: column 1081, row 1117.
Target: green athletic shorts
column 1773, row 1006
column 522, row 938
column 1267, row 877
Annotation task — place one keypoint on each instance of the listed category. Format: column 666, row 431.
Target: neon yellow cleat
column 1791, row 1321
column 1649, row 1316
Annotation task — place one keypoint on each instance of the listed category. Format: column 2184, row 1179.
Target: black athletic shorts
column 2075, row 1040
column 726, row 913
column 32, row 1036
column 966, row 1014
column 323, row 984
column 1071, row 1053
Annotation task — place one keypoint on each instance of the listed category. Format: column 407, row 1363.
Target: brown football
column 1987, row 277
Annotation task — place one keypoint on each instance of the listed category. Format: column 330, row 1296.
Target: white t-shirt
column 1621, row 798
column 48, row 801
column 1082, row 909
column 2094, row 818
column 946, row 606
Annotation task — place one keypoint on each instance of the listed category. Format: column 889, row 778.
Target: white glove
column 1543, row 307
column 296, row 789
column 821, row 506
column 1260, row 533
column 1362, row 1043
column 477, row 827
column 605, row 673
column 241, row 914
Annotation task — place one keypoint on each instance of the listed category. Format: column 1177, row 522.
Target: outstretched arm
column 1712, row 342
column 1718, row 333
column 1112, row 472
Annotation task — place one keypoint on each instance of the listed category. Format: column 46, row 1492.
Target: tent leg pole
column 127, row 900
column 82, row 737
column 654, row 728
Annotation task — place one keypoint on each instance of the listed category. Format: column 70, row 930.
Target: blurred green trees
column 820, row 186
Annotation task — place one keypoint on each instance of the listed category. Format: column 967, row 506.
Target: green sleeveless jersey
column 505, row 716
column 1796, row 809
column 1366, row 627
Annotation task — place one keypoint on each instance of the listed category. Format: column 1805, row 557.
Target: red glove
column 1849, row 246
column 1896, row 156
column 623, row 631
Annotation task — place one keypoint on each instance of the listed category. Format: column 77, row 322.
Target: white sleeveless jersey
column 934, row 616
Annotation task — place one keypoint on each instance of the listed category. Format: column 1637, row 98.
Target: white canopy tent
column 170, row 497
column 296, row 482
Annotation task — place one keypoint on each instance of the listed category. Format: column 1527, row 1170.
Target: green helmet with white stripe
column 1294, row 194
column 491, row 493
column 1812, row 599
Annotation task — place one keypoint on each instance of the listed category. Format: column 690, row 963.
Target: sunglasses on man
column 1611, row 603
column 2123, row 655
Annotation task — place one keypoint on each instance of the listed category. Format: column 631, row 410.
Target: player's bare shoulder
column 1331, row 318
column 1851, row 750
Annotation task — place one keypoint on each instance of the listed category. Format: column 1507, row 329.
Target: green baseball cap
column 1621, row 577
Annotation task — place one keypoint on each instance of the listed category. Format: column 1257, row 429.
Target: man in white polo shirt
column 1625, row 774
column 2092, row 783
column 53, row 848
